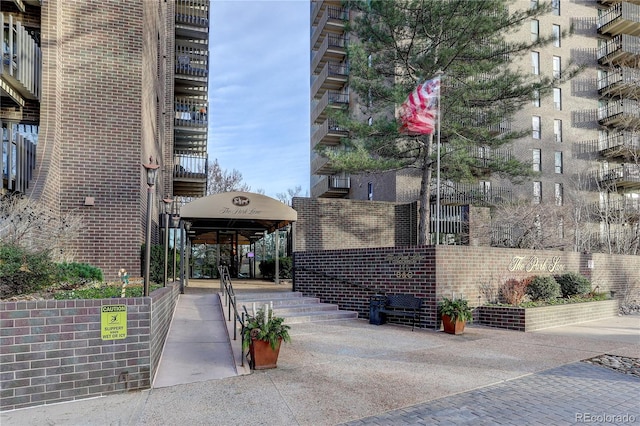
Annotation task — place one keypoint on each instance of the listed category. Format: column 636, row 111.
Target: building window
column 558, row 191
column 536, row 98
column 557, row 98
column 370, row 121
column 537, row 160
column 533, row 4
column 557, row 130
column 556, row 35
column 370, row 191
column 535, row 127
column 557, row 67
column 561, row 228
column 535, row 29
column 535, row 63
column 558, row 161
column 537, row 192
column 485, row 187
column 555, row 7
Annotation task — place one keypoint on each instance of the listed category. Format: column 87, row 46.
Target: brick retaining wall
column 52, row 351
column 349, row 277
column 530, row 319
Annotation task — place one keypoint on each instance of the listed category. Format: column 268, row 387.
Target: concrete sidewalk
column 351, row 371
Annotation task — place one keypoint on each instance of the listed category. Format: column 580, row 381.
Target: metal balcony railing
column 21, row 59
column 622, row 81
column 190, row 112
column 619, row 111
column 192, row 62
column 189, row 166
column 621, row 17
column 17, row 162
column 459, row 193
column 192, row 12
column 624, row 177
column 619, row 48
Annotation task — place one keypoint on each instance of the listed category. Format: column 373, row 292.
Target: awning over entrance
column 246, row 213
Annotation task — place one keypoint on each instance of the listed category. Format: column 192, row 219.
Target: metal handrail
column 226, row 287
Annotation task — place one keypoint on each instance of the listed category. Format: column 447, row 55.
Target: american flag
column 418, row 112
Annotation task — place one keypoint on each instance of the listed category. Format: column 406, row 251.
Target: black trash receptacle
column 375, row 304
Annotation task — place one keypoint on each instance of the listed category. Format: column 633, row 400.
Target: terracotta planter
column 451, row 327
column 262, row 355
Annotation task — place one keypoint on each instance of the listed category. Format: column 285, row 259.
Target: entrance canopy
column 246, row 213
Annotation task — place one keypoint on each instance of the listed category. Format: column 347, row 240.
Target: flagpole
column 439, row 73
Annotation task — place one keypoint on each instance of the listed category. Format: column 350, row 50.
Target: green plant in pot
column 263, row 334
column 455, row 313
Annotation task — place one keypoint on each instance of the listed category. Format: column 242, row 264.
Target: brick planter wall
column 530, row 319
column 52, row 351
column 349, row 277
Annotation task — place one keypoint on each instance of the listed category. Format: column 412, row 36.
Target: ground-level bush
column 75, row 274
column 572, row 284
column 268, row 268
column 513, row 291
column 23, row 271
column 543, row 288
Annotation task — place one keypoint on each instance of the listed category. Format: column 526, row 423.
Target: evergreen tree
column 396, row 45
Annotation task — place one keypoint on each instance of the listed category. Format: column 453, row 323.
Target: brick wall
column 349, row 277
column 52, row 351
column 530, row 319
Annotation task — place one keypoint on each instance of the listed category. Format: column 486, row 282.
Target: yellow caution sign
column 113, row 322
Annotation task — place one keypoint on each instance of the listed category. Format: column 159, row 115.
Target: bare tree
column 291, row 193
column 219, row 180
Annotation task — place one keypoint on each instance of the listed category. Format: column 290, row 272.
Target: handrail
column 226, row 287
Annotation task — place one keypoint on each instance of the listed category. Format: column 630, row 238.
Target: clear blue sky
column 259, row 92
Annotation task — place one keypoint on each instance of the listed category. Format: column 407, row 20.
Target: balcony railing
column 619, row 49
column 331, row 187
column 21, row 59
column 190, row 112
column 622, row 178
column 192, row 12
column 624, row 81
column 333, row 46
column 623, row 144
column 191, row 62
column 620, row 18
column 627, row 209
column 459, row 193
column 621, row 112
column 17, row 162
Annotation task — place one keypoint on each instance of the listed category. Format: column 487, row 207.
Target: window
column 557, row 99
column 370, row 121
column 536, row 98
column 537, row 160
column 485, row 187
column 535, row 29
column 557, row 130
column 555, row 7
column 537, row 192
column 535, row 127
column 370, row 191
column 535, row 63
column 558, row 192
column 558, row 161
column 533, row 4
column 557, row 67
column 556, row 35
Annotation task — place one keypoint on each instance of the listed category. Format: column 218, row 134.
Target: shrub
column 268, row 268
column 23, row 271
column 513, row 291
column 572, row 284
column 76, row 274
column 156, row 266
column 543, row 288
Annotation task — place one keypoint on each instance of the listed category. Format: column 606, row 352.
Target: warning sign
column 113, row 322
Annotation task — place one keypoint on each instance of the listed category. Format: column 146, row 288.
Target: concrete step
column 294, row 307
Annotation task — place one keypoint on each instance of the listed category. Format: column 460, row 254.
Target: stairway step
column 278, row 302
column 285, row 311
column 320, row 316
column 269, row 295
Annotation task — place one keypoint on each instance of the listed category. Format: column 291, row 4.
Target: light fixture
column 152, row 174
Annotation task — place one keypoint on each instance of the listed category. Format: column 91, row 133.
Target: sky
column 259, row 92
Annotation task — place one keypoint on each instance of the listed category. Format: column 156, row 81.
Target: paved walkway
column 357, row 373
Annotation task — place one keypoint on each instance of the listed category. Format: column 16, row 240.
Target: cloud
column 259, row 92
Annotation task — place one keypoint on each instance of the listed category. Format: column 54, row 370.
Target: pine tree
column 396, row 45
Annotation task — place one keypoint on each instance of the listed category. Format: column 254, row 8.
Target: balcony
column 610, row 2
column 333, row 47
column 331, row 187
column 17, row 162
column 329, row 133
column 623, row 81
column 190, row 113
column 626, row 210
column 620, row 113
column 192, row 19
column 624, row 178
column 189, row 175
column 621, row 18
column 332, row 19
column 619, row 50
column 623, row 145
column 462, row 194
column 21, row 68
column 321, row 166
column 334, row 76
column 331, row 99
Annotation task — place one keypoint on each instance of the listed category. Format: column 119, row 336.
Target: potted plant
column 455, row 312
column 262, row 335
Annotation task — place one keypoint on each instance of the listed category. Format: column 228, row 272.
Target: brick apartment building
column 90, row 91
column 583, row 141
